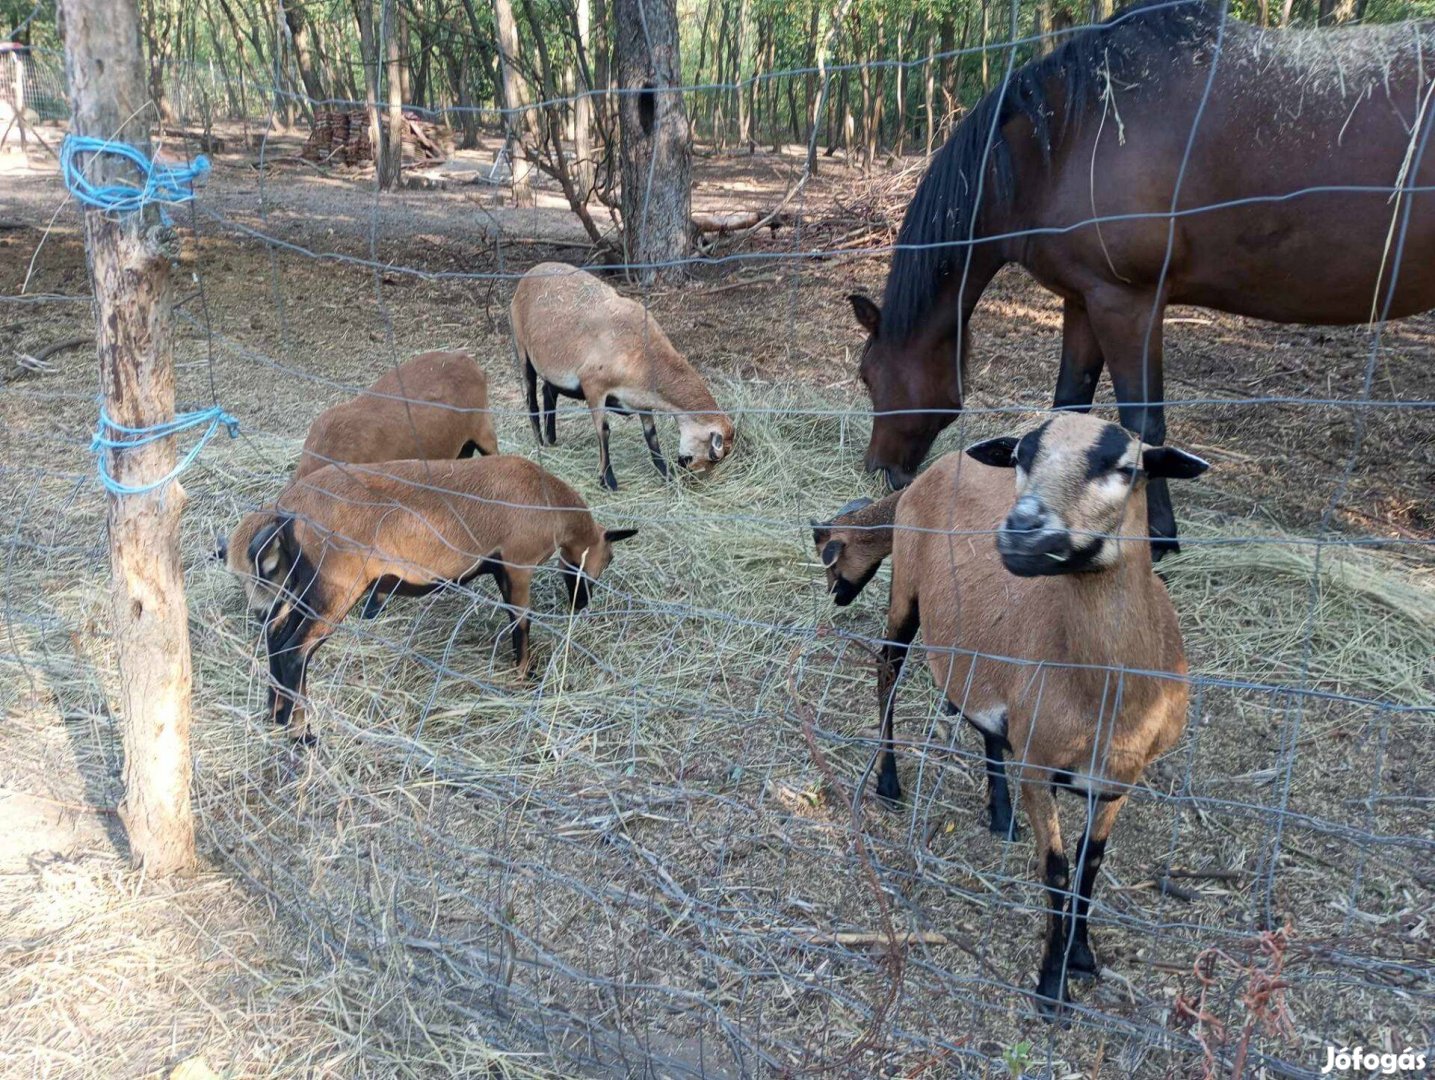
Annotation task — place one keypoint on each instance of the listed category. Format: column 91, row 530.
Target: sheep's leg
column 530, row 387
column 378, row 597
column 902, row 626
column 290, row 645
column 550, row 412
column 485, row 440
column 1001, row 820
column 650, row 436
column 1040, row 804
column 599, row 408
column 514, row 583
column 1081, row 962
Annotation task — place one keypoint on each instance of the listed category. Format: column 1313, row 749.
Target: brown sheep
column 432, row 406
column 1035, row 639
column 412, row 527
column 586, row 341
column 853, row 544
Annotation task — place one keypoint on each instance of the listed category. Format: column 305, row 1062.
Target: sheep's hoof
column 1003, row 825
column 609, row 481
column 890, row 792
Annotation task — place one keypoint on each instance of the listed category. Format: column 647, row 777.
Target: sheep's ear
column 1172, row 464
column 1000, row 452
column 614, row 535
column 832, row 551
column 266, row 549
column 859, row 503
column 715, row 445
column 869, row 315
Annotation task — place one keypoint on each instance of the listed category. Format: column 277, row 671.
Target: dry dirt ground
column 296, row 284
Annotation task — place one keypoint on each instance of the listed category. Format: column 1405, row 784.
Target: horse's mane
column 1136, row 45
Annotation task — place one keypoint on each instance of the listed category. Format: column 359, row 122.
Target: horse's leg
column 1128, row 326
column 1081, row 360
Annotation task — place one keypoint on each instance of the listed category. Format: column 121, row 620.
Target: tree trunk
column 302, row 37
column 986, row 56
column 823, row 81
column 514, row 99
column 1335, row 12
column 130, row 276
column 390, row 155
column 929, row 92
column 369, row 54
column 583, row 167
column 656, row 157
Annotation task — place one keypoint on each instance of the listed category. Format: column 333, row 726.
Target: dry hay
column 634, row 857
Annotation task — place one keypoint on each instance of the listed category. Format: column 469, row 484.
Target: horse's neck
column 963, row 287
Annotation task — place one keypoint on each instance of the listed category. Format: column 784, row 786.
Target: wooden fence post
column 129, row 272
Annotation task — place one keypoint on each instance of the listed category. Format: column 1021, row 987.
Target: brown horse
column 1166, row 156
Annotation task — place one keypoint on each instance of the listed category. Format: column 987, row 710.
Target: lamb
column 1034, row 639
column 432, row 406
column 587, row 342
column 853, row 544
column 412, row 527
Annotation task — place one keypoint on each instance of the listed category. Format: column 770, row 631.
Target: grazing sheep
column 412, row 527
column 853, row 544
column 1036, row 639
column 432, row 406
column 587, row 342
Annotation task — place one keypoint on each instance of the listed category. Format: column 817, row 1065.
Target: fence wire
column 660, row 855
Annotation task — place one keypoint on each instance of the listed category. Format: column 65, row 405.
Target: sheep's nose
column 1025, row 517
column 1031, row 530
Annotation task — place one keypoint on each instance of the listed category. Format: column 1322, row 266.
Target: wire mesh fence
column 660, row 853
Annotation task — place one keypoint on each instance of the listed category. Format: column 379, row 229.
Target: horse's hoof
column 1052, row 1000
column 1081, row 963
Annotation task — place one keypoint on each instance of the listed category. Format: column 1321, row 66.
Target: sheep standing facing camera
column 1057, row 642
column 587, row 342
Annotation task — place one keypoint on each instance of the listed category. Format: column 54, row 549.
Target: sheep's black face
column 1081, row 493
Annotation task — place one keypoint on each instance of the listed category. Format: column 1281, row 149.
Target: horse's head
column 915, row 393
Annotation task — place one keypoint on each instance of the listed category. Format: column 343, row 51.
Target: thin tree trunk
column 130, row 275
column 369, row 54
column 820, row 63
column 302, row 37
column 515, row 119
column 929, row 90
column 656, row 161
column 391, row 155
column 583, row 167
column 986, row 56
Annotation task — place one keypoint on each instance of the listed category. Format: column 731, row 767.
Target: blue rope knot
column 166, row 184
column 130, row 437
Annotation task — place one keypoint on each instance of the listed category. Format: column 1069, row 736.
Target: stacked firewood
column 341, row 137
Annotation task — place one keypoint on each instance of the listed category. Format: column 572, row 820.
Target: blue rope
column 130, row 438
column 162, row 183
